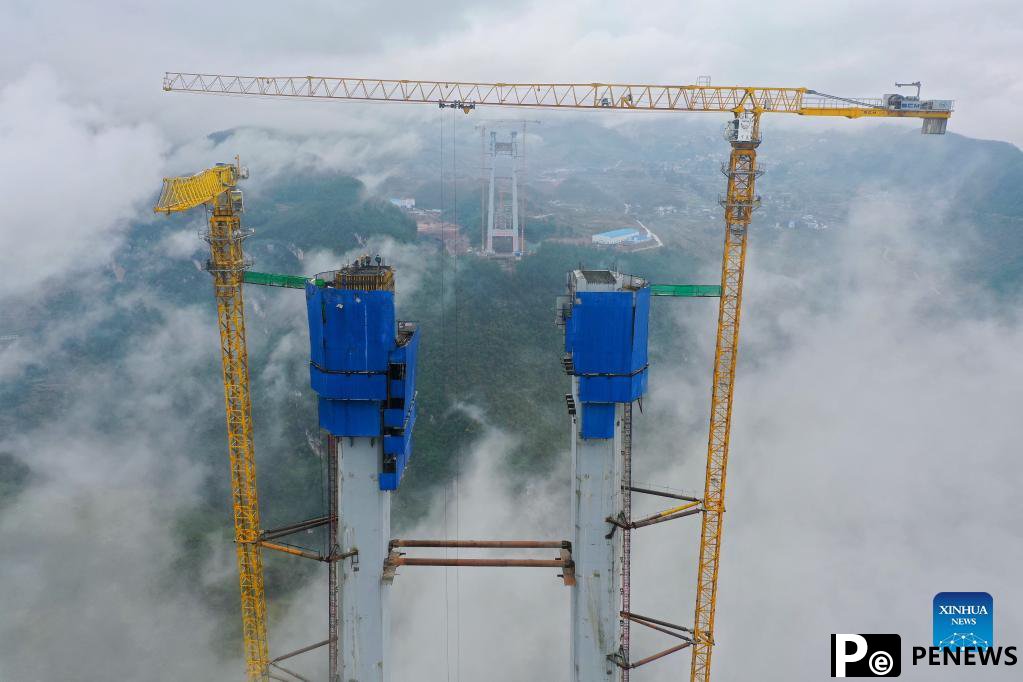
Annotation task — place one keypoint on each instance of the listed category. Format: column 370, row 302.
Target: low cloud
column 91, row 591
column 873, row 465
column 873, row 459
column 80, row 178
column 448, row 622
column 367, row 148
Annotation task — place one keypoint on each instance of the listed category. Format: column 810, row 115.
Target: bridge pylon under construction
column 363, row 368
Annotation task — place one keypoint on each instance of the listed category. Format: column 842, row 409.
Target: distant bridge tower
column 503, row 206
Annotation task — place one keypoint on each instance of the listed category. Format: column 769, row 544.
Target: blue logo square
column 963, row 620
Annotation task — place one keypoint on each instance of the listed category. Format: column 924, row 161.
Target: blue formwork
column 363, row 367
column 606, row 336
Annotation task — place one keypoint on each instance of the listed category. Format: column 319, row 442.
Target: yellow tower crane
column 746, row 105
column 216, row 188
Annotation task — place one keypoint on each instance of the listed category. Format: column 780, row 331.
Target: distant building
column 408, row 204
column 625, row 235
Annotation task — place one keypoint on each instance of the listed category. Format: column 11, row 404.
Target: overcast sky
column 83, row 116
column 113, row 54
column 86, row 133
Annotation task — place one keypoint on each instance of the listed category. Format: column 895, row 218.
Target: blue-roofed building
column 625, row 235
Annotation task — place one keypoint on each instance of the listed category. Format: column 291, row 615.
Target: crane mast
column 215, row 188
column 739, row 203
column 746, row 104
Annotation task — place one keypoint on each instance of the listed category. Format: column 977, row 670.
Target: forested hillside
column 489, row 339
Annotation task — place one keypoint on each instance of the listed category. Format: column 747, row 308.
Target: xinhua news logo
column 964, row 620
column 964, row 633
column 866, row 655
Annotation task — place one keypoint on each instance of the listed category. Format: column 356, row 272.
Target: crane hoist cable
column 457, row 363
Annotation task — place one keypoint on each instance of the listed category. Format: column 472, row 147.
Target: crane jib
column 468, row 95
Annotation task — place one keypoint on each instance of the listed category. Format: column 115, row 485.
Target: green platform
column 269, row 279
column 698, row 290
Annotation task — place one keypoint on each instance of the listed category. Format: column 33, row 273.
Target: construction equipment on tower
column 216, row 189
column 746, row 105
